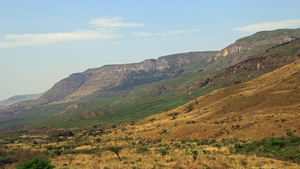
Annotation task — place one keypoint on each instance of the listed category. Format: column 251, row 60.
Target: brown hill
column 263, row 107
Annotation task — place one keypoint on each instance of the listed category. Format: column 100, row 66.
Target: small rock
column 283, row 120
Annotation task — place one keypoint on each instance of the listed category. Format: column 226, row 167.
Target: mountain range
column 19, row 98
column 130, row 92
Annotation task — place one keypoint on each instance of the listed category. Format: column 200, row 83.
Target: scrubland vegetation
column 239, row 117
column 94, row 149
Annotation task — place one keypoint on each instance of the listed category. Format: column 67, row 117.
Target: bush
column 177, row 145
column 163, row 152
column 212, row 141
column 142, row 149
column 98, row 140
column 57, row 152
column 183, row 141
column 289, row 133
column 282, row 148
column 36, row 163
column 25, row 154
column 157, row 140
column 202, row 142
column 162, row 131
column 190, row 107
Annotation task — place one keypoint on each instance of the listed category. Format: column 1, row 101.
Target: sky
column 44, row 41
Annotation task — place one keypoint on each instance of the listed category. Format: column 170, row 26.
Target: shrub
column 183, row 141
column 212, row 141
column 162, row 131
column 191, row 122
column 289, row 133
column 149, row 140
column 98, row 140
column 201, row 142
column 157, row 140
column 25, row 154
column 282, row 148
column 190, row 107
column 244, row 162
column 163, row 152
column 174, row 114
column 177, row 145
column 218, row 145
column 36, row 163
column 142, row 149
column 57, row 152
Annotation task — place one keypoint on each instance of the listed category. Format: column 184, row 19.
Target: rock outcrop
column 253, row 44
column 79, row 85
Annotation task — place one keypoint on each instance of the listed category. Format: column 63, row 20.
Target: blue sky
column 44, row 41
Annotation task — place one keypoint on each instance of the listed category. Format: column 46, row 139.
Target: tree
column 36, row 163
column 116, row 150
column 195, row 153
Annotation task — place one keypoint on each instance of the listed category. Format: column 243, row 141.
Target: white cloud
column 32, row 39
column 165, row 33
column 106, row 29
column 270, row 26
column 115, row 43
column 113, row 22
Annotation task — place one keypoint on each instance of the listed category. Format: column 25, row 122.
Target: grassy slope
column 267, row 106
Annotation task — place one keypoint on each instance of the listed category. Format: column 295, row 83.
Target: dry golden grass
column 219, row 158
column 271, row 103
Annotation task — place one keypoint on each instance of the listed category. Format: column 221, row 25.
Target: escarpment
column 80, row 85
column 113, row 80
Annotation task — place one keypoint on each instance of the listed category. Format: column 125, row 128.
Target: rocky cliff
column 80, row 85
column 253, row 44
column 114, row 80
column 270, row 59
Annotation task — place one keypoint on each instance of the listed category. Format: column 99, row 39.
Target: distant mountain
column 128, row 92
column 114, row 80
column 19, row 98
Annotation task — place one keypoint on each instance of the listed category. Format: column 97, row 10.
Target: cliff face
column 63, row 88
column 253, row 44
column 80, row 85
column 272, row 58
column 108, row 77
